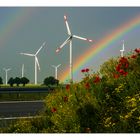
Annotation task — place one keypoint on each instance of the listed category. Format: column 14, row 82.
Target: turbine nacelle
column 56, row 66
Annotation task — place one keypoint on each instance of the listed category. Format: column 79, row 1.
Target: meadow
column 107, row 101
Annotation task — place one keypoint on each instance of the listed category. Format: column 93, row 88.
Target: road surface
column 11, row 109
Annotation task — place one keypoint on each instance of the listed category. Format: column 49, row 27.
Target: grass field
column 22, row 96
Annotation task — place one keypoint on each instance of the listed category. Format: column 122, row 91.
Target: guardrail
column 16, row 118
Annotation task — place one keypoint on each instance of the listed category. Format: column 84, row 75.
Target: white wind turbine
column 122, row 51
column 56, row 67
column 36, row 60
column 6, row 74
column 69, row 40
column 22, row 71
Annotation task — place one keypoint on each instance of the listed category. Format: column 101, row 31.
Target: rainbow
column 102, row 44
column 16, row 19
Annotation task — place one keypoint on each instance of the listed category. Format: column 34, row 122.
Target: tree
column 24, row 81
column 1, row 81
column 51, row 81
column 11, row 81
column 17, row 81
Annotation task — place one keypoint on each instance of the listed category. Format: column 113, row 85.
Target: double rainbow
column 17, row 18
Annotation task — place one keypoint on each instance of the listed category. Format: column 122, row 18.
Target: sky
column 24, row 29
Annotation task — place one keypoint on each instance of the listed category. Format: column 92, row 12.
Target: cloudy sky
column 25, row 29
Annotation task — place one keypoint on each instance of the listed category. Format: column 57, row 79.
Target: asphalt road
column 11, row 109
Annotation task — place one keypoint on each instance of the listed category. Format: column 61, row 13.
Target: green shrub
column 108, row 101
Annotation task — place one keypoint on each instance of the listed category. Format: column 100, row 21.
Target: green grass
column 22, row 96
column 28, row 85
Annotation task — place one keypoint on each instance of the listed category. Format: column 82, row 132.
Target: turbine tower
column 36, row 60
column 69, row 40
column 56, row 67
column 6, row 74
column 22, row 71
column 122, row 51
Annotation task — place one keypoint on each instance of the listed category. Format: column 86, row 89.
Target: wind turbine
column 22, row 71
column 69, row 40
column 36, row 60
column 6, row 72
column 122, row 51
column 56, row 67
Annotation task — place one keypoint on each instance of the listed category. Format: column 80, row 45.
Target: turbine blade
column 67, row 25
column 27, row 54
column 40, row 48
column 81, row 38
column 64, row 43
column 59, row 65
column 36, row 59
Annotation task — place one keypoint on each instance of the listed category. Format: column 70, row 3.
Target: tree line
column 48, row 81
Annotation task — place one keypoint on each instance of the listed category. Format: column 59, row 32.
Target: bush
column 108, row 101
column 50, row 81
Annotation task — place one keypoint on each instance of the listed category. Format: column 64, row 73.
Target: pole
column 6, row 77
column 71, row 71
column 56, row 72
column 22, row 70
column 35, row 73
